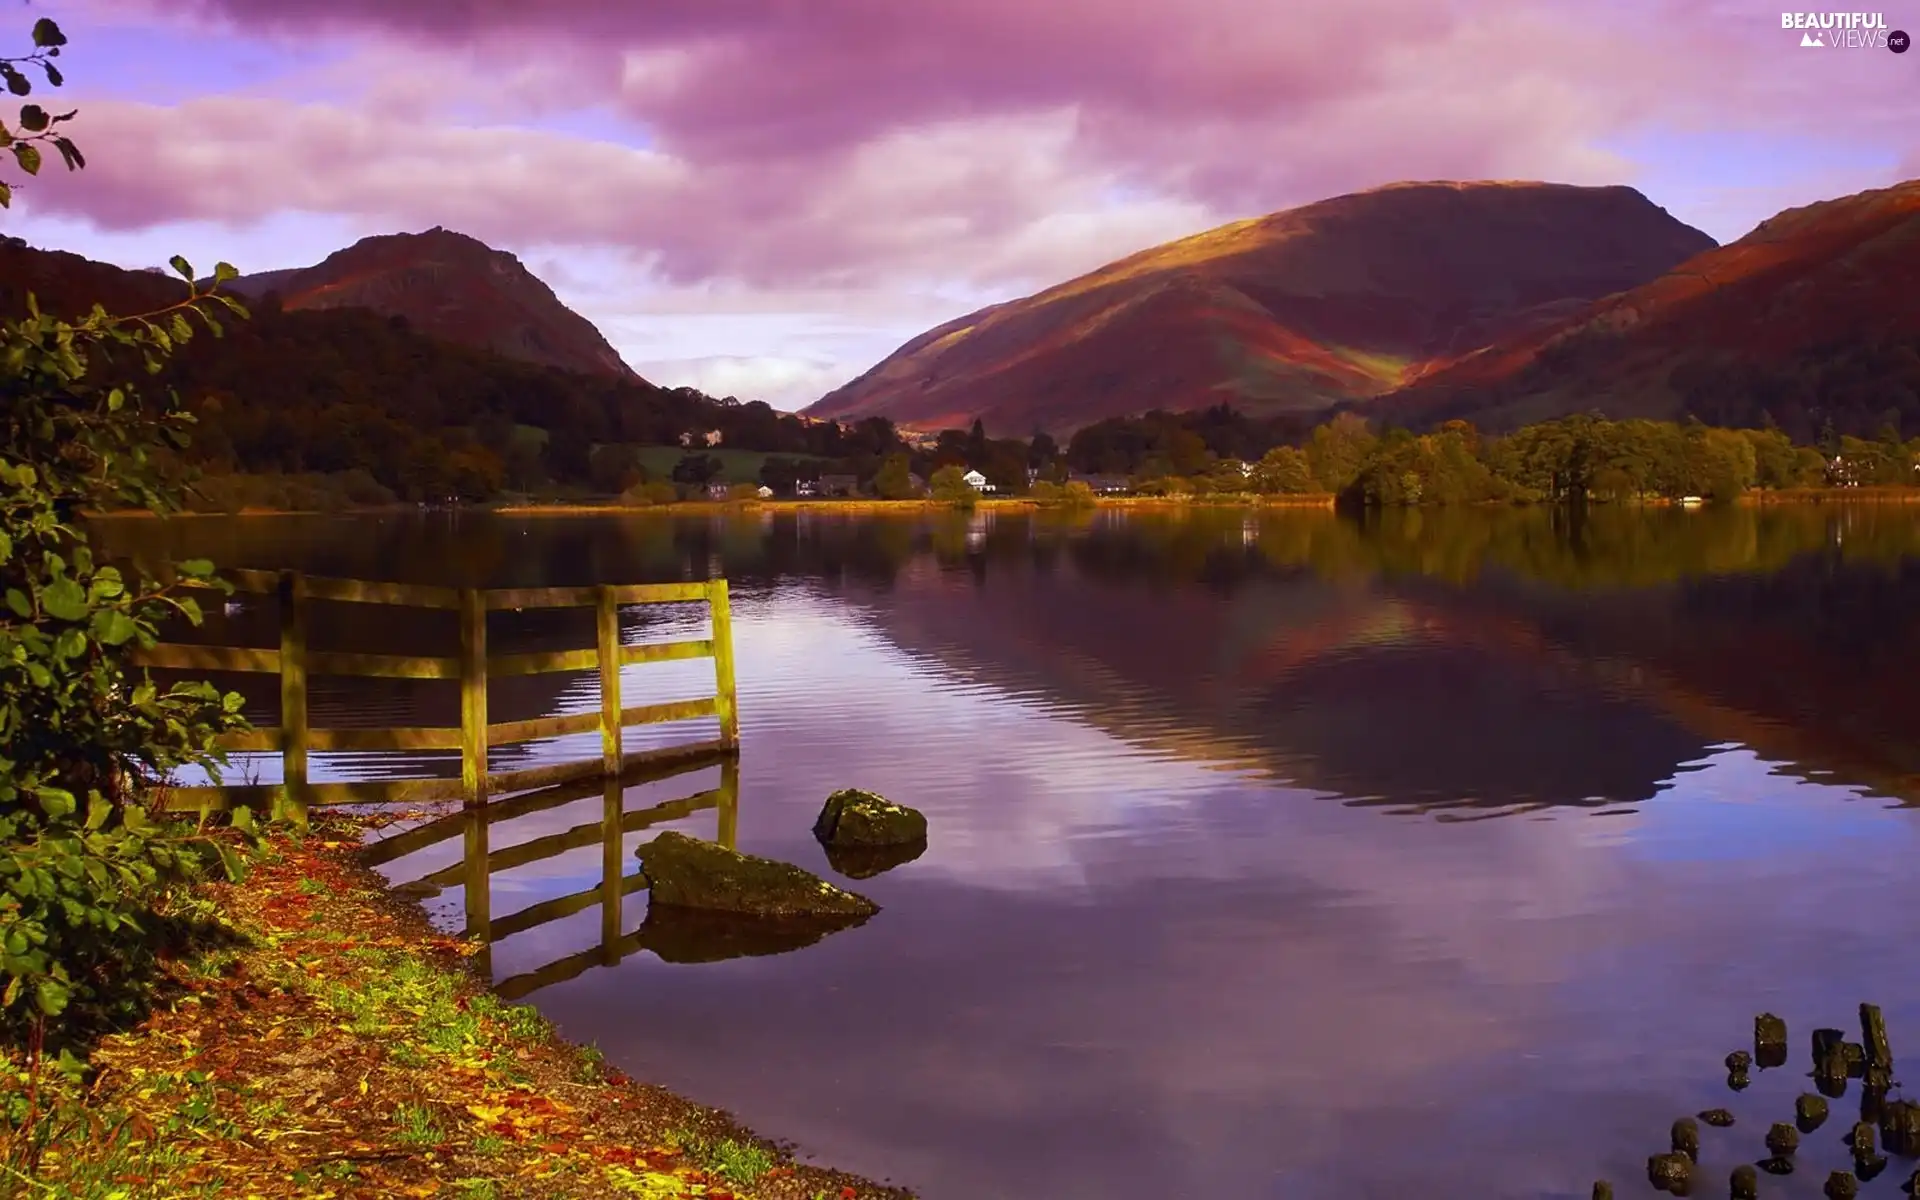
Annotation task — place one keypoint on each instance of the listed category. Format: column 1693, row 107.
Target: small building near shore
column 977, row 481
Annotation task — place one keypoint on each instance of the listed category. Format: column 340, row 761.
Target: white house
column 764, row 492
column 977, row 481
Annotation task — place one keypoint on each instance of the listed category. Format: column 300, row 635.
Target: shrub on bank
column 87, row 860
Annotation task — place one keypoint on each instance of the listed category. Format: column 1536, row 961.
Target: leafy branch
column 37, row 126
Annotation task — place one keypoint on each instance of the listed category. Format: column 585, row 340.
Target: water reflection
column 398, row 849
column 1207, row 908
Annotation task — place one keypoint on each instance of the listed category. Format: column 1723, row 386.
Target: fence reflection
column 619, row 873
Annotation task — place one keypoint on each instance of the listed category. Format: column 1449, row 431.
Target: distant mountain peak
column 1340, row 300
column 452, row 286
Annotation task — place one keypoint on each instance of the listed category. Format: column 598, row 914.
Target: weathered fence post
column 473, row 755
column 730, row 803
column 607, row 614
column 612, row 867
column 293, row 691
column 724, row 700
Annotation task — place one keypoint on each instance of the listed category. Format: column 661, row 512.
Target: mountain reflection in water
column 1203, row 911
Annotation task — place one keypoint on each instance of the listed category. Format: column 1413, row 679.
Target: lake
column 1273, row 854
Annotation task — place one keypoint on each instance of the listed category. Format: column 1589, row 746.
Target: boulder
column 852, row 818
column 1670, row 1173
column 1769, row 1040
column 1745, row 1183
column 1686, row 1138
column 1719, row 1118
column 685, row 872
column 1810, row 1112
column 1783, row 1139
column 1841, row 1185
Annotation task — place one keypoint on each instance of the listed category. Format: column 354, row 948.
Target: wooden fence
column 294, row 663
column 478, row 863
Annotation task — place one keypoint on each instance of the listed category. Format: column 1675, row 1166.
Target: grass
column 348, row 1050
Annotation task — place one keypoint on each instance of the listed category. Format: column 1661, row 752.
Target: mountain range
column 1339, row 301
column 1496, row 302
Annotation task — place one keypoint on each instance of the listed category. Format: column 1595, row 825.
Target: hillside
column 1812, row 319
column 450, row 286
column 1296, row 311
column 347, row 391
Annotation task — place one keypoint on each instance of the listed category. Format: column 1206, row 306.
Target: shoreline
column 1320, row 501
column 345, row 1046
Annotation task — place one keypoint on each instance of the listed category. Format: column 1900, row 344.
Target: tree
column 894, row 481
column 1042, row 450
column 949, row 486
column 85, row 736
column 1284, row 470
column 697, row 469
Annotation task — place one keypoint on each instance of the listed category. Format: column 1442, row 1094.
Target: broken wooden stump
column 1873, row 1035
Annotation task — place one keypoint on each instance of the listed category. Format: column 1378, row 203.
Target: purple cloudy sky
column 764, row 197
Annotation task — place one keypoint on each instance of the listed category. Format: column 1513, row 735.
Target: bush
column 85, row 737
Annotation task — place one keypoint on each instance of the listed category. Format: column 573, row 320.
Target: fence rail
column 295, row 662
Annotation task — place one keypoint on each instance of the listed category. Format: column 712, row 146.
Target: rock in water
column 1739, row 1061
column 687, row 872
column 1670, row 1173
column 1810, row 1112
column 1719, row 1118
column 1900, row 1124
column 852, row 817
column 1745, row 1184
column 1873, row 1034
column 1841, row 1185
column 1861, row 1139
column 1783, row 1139
column 1686, row 1138
column 1770, row 1040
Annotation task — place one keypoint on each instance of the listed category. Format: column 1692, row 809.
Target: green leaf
column 52, row 996
column 181, row 267
column 242, row 818
column 98, row 810
column 116, row 400
column 54, row 76
column 224, row 271
column 70, row 153
column 46, row 33
column 34, row 119
column 114, row 627
column 28, row 156
column 6, row 196
column 197, row 568
column 64, row 600
column 16, row 82
column 57, row 802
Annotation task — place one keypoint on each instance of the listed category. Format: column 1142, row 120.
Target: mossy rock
column 691, row 935
column 864, row 862
column 686, row 872
column 852, row 817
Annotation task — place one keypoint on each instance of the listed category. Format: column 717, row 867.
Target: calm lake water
column 1272, row 856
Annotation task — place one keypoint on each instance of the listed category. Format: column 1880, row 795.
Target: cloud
column 928, row 158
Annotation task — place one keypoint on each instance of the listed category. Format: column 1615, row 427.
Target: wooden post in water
column 730, row 803
column 724, row 699
column 612, row 868
column 473, row 756
column 293, row 692
column 607, row 614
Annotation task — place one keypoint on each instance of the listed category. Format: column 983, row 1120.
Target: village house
column 764, row 492
column 717, row 490
column 977, row 481
column 806, row 487
column 711, row 437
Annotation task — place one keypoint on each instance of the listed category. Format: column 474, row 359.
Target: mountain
column 347, row 392
column 450, row 286
column 1341, row 300
column 1811, row 319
